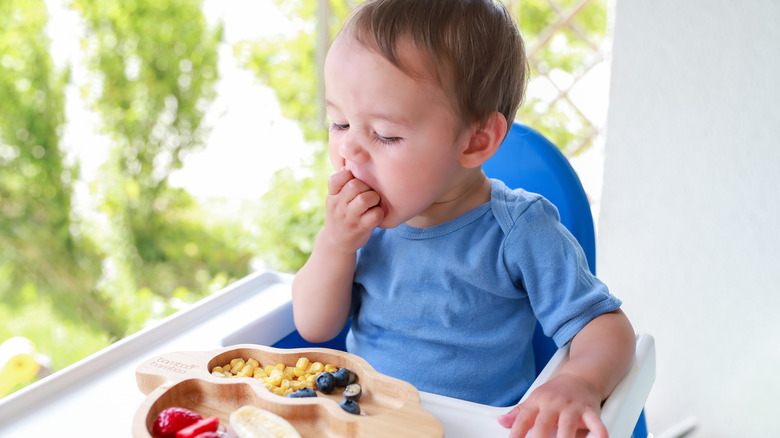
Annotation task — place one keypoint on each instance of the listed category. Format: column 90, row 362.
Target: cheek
column 405, row 184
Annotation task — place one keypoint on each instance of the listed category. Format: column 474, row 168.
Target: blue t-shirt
column 452, row 308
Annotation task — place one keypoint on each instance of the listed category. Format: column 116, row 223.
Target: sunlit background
column 154, row 151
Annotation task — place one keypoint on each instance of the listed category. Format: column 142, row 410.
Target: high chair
column 526, row 159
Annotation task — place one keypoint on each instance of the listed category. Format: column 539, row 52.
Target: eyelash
column 337, row 127
column 379, row 138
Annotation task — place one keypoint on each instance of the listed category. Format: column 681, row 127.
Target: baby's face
column 396, row 133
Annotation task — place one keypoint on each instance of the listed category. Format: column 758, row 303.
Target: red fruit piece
column 210, row 424
column 171, row 420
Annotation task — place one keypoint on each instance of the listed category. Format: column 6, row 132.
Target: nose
column 351, row 149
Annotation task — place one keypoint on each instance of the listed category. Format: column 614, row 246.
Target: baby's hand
column 566, row 402
column 351, row 211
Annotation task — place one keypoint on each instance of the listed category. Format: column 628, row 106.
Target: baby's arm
column 600, row 355
column 322, row 289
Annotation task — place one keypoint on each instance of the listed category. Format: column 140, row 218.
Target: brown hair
column 474, row 46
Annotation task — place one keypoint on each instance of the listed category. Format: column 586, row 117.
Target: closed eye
column 338, row 126
column 387, row 140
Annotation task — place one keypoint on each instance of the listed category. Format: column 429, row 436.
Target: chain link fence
column 566, row 43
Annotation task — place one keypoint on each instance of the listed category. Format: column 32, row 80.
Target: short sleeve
column 546, row 261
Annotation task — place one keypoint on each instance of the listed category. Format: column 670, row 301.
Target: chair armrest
column 621, row 409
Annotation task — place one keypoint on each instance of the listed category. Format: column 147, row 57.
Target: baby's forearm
column 601, row 353
column 322, row 292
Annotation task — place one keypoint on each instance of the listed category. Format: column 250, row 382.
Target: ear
column 484, row 140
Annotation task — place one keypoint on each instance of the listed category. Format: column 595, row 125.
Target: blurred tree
column 286, row 63
column 70, row 284
column 154, row 63
column 44, row 259
column 564, row 41
column 292, row 210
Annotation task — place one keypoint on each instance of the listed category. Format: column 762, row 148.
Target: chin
column 390, row 221
column 386, row 225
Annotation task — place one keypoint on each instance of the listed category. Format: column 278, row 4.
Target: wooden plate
column 391, row 407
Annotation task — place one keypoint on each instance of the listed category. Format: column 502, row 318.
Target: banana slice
column 252, row 422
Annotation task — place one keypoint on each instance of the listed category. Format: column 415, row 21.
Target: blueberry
column 303, row 392
column 350, row 406
column 344, row 377
column 353, row 392
column 325, row 382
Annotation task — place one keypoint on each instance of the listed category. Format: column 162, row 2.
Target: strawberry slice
column 210, row 424
column 171, row 420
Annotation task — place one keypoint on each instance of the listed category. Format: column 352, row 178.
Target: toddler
column 444, row 271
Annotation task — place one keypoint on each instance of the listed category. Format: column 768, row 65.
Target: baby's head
column 473, row 47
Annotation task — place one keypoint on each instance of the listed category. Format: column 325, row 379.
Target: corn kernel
column 280, row 366
column 237, row 366
column 268, row 369
column 278, row 391
column 218, row 374
column 233, row 362
column 259, row 372
column 217, row 368
column 254, row 362
column 314, row 368
column 330, row 368
column 275, row 378
column 303, row 363
column 307, row 384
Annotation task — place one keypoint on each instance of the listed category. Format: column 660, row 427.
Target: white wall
column 689, row 233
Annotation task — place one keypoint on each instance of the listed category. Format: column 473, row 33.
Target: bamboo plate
column 391, row 407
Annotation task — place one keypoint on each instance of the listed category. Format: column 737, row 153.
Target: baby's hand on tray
column 564, row 407
column 351, row 211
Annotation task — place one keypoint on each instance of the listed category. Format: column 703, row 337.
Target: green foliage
column 37, row 246
column 39, row 317
column 292, row 214
column 292, row 211
column 73, row 284
column 155, row 68
column 286, row 65
column 566, row 51
column 33, row 177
